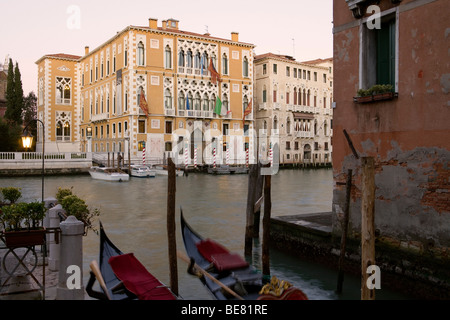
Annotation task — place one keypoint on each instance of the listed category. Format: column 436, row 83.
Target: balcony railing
column 276, row 105
column 304, row 134
column 99, row 117
column 263, row 106
column 169, row 112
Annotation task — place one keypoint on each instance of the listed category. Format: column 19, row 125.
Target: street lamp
column 27, row 141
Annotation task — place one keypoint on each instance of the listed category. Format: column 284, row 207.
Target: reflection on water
column 134, row 216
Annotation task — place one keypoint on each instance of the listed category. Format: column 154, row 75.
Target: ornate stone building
column 294, row 100
column 93, row 102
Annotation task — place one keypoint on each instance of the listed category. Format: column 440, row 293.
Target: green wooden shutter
column 386, row 53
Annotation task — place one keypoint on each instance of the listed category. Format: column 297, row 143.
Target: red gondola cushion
column 208, row 248
column 137, row 279
column 228, row 261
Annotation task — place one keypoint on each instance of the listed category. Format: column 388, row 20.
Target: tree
column 10, row 92
column 29, row 113
column 10, row 136
column 18, row 95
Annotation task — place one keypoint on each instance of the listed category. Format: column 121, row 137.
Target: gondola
column 122, row 277
column 229, row 276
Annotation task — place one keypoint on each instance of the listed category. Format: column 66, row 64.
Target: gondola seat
column 137, row 279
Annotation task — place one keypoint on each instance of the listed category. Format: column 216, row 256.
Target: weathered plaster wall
column 409, row 137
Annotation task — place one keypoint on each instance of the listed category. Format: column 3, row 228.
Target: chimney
column 164, row 24
column 153, row 23
column 235, row 36
column 86, row 50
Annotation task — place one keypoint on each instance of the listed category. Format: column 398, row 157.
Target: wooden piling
column 344, row 231
column 252, row 178
column 266, row 226
column 367, row 224
column 171, row 227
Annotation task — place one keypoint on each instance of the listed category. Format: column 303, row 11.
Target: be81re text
column 230, row 309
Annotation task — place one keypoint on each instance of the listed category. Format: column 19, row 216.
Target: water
column 134, row 216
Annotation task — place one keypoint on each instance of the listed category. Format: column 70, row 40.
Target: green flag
column 218, row 108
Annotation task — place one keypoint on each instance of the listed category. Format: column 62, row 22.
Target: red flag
column 215, row 76
column 143, row 103
column 247, row 111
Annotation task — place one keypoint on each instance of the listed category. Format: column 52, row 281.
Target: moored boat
column 108, row 174
column 142, row 171
column 122, row 277
column 229, row 276
column 163, row 171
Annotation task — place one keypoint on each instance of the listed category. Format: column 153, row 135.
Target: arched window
column 325, row 128
column 197, row 101
column 168, row 56
column 275, row 123
column 204, row 63
column 295, row 96
column 181, row 101
column 225, row 108
column 309, row 97
column 62, row 131
column 264, row 94
column 197, row 60
column 245, row 103
column 288, row 125
column 205, row 102
column 212, row 102
column 141, row 54
column 189, row 62
column 181, row 58
column 224, row 64
column 245, row 67
column 304, row 97
column 168, row 99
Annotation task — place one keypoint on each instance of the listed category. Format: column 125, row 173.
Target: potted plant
column 375, row 93
column 22, row 224
column 75, row 206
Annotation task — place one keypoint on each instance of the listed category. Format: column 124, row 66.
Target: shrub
column 11, row 194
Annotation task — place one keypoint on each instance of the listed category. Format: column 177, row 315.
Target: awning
column 302, row 115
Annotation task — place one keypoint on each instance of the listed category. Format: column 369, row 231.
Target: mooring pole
column 252, row 177
column 344, row 230
column 171, row 228
column 266, row 226
column 367, row 224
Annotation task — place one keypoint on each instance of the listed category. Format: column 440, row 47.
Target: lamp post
column 27, row 141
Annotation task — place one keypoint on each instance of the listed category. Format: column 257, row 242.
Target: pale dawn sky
column 30, row 29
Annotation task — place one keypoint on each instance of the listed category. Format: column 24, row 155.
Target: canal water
column 134, row 216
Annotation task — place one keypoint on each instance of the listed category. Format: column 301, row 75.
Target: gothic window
column 245, row 67
column 63, row 90
column 189, row 62
column 141, row 54
column 63, row 120
column 181, row 58
column 168, row 99
column 205, row 102
column 168, row 56
column 224, row 64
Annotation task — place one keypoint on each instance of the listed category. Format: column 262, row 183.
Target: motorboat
column 142, row 171
column 108, row 174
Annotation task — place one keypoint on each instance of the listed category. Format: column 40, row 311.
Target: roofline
column 159, row 30
column 277, row 57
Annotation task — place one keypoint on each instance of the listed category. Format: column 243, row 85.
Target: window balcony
column 290, row 107
column 63, row 101
column 263, row 106
column 100, row 117
column 169, row 112
column 276, row 106
column 304, row 134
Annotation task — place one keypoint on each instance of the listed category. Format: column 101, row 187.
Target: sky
column 30, row 29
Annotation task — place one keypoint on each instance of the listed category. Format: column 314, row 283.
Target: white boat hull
column 142, row 172
column 108, row 174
